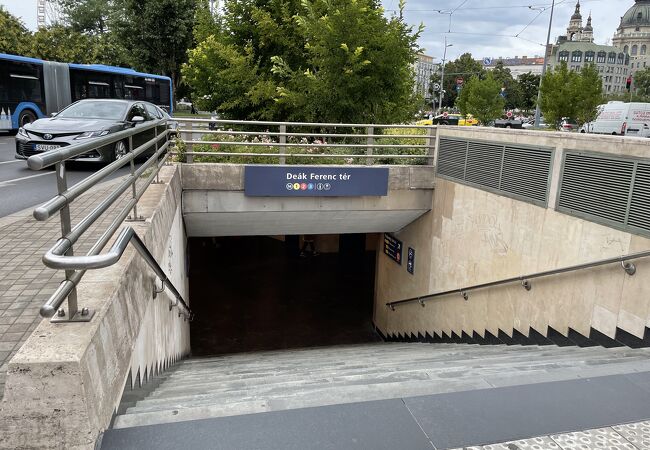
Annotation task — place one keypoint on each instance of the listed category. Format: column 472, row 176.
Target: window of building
column 635, row 50
column 639, row 16
column 602, row 56
column 563, row 56
column 611, row 58
column 643, row 49
column 626, row 49
column 621, row 58
column 627, row 60
column 576, row 56
column 589, row 56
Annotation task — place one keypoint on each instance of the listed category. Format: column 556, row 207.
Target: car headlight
column 92, row 134
column 22, row 132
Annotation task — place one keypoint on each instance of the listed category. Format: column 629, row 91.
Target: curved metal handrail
column 629, row 268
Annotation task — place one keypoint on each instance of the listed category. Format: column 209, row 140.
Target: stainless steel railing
column 324, row 141
column 626, row 265
column 61, row 255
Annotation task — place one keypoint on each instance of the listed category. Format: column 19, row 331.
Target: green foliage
column 482, row 99
column 205, row 22
column 465, row 67
column 157, row 33
column 511, row 89
column 559, row 94
column 61, row 43
column 320, row 60
column 566, row 93
column 86, row 16
column 529, row 88
column 589, row 94
column 14, row 38
column 641, row 82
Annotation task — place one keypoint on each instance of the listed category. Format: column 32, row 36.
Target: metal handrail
column 629, row 268
column 61, row 255
column 301, row 124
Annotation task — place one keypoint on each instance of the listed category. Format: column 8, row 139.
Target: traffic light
column 628, row 84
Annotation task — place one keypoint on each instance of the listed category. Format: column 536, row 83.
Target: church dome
column 639, row 14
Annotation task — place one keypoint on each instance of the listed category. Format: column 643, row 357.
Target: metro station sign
column 308, row 181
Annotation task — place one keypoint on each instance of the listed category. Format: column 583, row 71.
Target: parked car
column 530, row 123
column 568, row 124
column 451, row 119
column 509, row 123
column 631, row 119
column 86, row 120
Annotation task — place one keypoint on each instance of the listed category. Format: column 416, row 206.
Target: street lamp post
column 539, row 91
column 442, row 76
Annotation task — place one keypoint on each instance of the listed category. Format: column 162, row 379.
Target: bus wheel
column 26, row 116
column 120, row 150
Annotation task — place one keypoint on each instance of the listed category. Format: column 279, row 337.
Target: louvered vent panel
column 526, row 172
column 640, row 207
column 595, row 186
column 484, row 164
column 451, row 158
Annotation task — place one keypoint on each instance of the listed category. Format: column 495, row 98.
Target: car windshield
column 95, row 110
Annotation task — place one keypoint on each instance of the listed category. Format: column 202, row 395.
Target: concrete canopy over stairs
column 282, row 380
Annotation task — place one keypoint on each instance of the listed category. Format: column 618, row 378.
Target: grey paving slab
column 637, row 434
column 503, row 414
column 385, row 424
column 25, row 283
column 605, row 438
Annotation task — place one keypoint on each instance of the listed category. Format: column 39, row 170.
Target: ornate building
column 577, row 49
column 633, row 34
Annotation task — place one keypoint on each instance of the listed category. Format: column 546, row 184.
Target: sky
column 485, row 28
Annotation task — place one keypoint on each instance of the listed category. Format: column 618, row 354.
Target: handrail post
column 72, row 315
column 431, row 144
column 134, row 192
column 157, row 180
column 283, row 140
column 370, row 140
column 190, row 147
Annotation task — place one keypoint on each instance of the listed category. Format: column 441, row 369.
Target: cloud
column 488, row 27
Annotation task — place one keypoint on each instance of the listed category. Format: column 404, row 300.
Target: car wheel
column 26, row 116
column 583, row 131
column 120, row 150
column 508, row 126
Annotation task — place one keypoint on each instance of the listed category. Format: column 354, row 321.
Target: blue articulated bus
column 31, row 88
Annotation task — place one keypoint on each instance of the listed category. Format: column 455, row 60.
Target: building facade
column 633, row 34
column 519, row 66
column 424, row 68
column 577, row 49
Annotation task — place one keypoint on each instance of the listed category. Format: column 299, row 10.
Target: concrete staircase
column 270, row 381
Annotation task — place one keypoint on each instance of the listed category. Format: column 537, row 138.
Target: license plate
column 45, row 147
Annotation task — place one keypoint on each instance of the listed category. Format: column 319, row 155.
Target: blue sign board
column 301, row 181
column 393, row 248
column 410, row 261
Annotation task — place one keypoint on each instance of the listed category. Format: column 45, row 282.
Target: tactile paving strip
column 637, row 434
column 605, row 438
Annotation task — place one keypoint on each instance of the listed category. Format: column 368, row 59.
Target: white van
column 631, row 119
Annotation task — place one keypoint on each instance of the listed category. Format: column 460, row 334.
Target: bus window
column 118, row 86
column 133, row 88
column 99, row 89
column 24, row 83
column 163, row 86
column 152, row 93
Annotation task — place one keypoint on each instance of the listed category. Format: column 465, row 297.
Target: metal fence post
column 190, row 147
column 431, row 145
column 370, row 140
column 283, row 140
column 133, row 187
column 157, row 180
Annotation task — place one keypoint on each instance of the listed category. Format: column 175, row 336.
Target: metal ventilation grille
column 639, row 214
column 596, row 187
column 526, row 172
column 521, row 172
column 484, row 164
column 451, row 158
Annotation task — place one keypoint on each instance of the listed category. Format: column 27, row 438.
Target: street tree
column 482, row 98
column 157, row 33
column 310, row 60
column 14, row 38
column 589, row 94
column 559, row 94
column 86, row 16
column 529, row 88
column 641, row 82
column 510, row 89
column 61, row 43
column 464, row 67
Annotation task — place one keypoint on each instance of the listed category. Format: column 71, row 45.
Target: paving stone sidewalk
column 25, row 282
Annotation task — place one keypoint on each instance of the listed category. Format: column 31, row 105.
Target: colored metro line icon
column 303, row 186
column 289, row 186
column 319, row 186
column 296, row 186
column 327, row 186
column 310, row 186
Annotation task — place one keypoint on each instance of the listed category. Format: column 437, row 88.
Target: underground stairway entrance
column 263, row 293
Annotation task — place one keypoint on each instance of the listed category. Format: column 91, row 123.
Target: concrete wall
column 475, row 236
column 214, row 204
column 66, row 381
